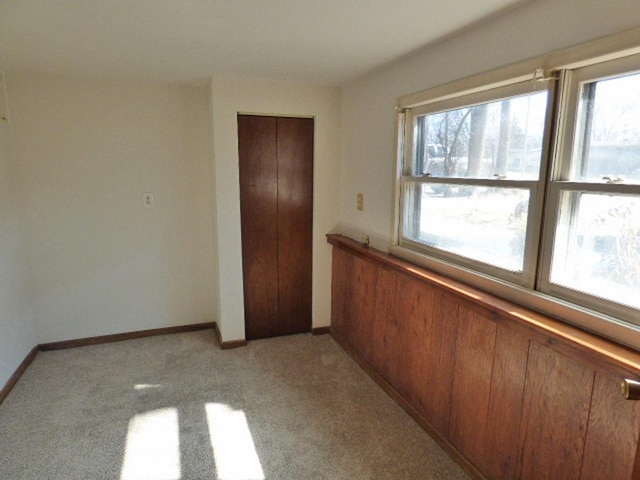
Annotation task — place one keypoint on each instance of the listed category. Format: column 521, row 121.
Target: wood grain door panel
column 259, row 215
column 295, row 223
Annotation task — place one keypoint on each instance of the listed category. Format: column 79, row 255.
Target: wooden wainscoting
column 511, row 394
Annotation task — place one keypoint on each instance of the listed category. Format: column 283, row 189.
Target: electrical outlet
column 147, row 200
column 360, row 201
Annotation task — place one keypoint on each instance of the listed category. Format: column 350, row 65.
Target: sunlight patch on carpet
column 233, row 447
column 153, row 447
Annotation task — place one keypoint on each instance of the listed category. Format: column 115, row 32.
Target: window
column 473, row 180
column 594, row 252
column 531, row 188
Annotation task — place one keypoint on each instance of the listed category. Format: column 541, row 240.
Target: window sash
column 561, row 182
column 580, row 298
column 464, row 101
column 527, row 276
column 407, row 120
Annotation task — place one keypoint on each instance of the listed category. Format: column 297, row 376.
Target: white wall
column 368, row 132
column 17, row 336
column 99, row 262
column 231, row 96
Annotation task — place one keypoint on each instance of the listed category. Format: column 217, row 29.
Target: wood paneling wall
column 510, row 393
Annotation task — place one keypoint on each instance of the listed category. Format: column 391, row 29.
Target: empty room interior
column 338, row 239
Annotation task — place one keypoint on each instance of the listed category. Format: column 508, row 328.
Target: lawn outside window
column 529, row 187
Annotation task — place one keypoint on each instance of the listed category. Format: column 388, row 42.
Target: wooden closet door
column 295, row 223
column 259, row 215
column 276, row 203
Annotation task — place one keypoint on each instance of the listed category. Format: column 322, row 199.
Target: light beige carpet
column 176, row 407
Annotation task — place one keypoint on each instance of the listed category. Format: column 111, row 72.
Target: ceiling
column 325, row 42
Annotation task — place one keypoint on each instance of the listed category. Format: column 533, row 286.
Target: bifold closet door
column 276, row 203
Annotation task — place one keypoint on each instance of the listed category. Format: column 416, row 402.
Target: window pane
column 501, row 138
column 608, row 135
column 597, row 246
column 480, row 223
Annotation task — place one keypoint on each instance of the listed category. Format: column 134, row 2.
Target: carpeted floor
column 176, row 407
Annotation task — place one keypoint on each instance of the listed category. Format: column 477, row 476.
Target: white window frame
column 535, row 187
column 548, row 299
column 561, row 180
